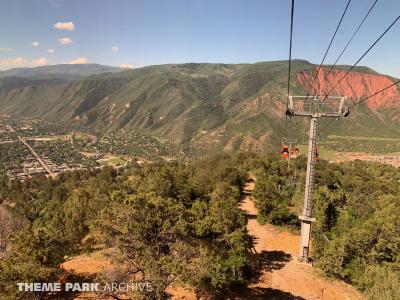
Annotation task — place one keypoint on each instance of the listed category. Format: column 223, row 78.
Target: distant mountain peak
column 67, row 71
column 211, row 106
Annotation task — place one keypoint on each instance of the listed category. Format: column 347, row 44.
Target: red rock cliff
column 355, row 86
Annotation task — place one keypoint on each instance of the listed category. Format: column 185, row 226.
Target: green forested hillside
column 169, row 222
column 65, row 71
column 209, row 106
column 357, row 228
column 182, row 222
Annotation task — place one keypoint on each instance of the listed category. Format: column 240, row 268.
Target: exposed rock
column 355, row 86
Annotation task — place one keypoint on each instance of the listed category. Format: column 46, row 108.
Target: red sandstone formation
column 356, row 86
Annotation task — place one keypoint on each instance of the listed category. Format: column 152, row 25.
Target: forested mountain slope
column 71, row 71
column 181, row 222
column 211, row 106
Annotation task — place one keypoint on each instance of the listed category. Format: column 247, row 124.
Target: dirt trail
column 282, row 277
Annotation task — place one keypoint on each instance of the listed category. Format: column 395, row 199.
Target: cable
column 290, row 48
column 348, row 72
column 352, row 37
column 363, row 100
column 290, row 64
column 374, row 94
column 330, row 44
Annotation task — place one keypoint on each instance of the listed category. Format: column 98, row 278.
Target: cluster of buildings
column 393, row 160
column 31, row 166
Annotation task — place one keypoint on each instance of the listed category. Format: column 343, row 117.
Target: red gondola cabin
column 285, row 152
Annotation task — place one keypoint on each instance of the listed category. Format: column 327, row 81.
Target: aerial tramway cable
column 290, row 49
column 362, row 100
column 352, row 37
column 365, row 53
column 290, row 64
column 340, row 55
column 329, row 46
column 374, row 94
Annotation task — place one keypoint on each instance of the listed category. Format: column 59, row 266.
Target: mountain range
column 64, row 71
column 210, row 106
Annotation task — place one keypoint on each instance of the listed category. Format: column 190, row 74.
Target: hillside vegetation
column 210, row 107
column 356, row 205
column 180, row 223
column 165, row 223
column 65, row 71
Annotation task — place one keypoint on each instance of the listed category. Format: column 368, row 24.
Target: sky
column 136, row 33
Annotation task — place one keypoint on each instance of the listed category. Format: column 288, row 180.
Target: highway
column 38, row 158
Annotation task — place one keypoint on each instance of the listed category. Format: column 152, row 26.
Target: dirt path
column 282, row 277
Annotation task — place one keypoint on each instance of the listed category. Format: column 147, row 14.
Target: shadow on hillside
column 246, row 293
column 247, row 214
column 246, row 193
column 253, row 241
column 250, row 216
column 268, row 261
column 258, row 293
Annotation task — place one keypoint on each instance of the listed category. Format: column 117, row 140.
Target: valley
column 178, row 141
column 189, row 110
column 208, row 150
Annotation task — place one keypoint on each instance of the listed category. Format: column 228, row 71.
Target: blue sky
column 148, row 32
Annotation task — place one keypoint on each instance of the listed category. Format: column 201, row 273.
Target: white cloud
column 65, row 41
column 19, row 62
column 115, row 49
column 13, row 62
column 65, row 26
column 79, row 61
column 40, row 62
column 51, row 51
column 35, row 44
column 126, row 66
column 6, row 50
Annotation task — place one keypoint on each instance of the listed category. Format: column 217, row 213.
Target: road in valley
column 38, row 158
column 281, row 276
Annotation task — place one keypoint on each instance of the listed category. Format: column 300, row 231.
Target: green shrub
column 261, row 218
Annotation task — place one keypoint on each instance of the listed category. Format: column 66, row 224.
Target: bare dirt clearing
column 280, row 275
column 283, row 277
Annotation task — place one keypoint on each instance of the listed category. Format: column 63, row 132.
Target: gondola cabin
column 295, row 152
column 284, row 152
